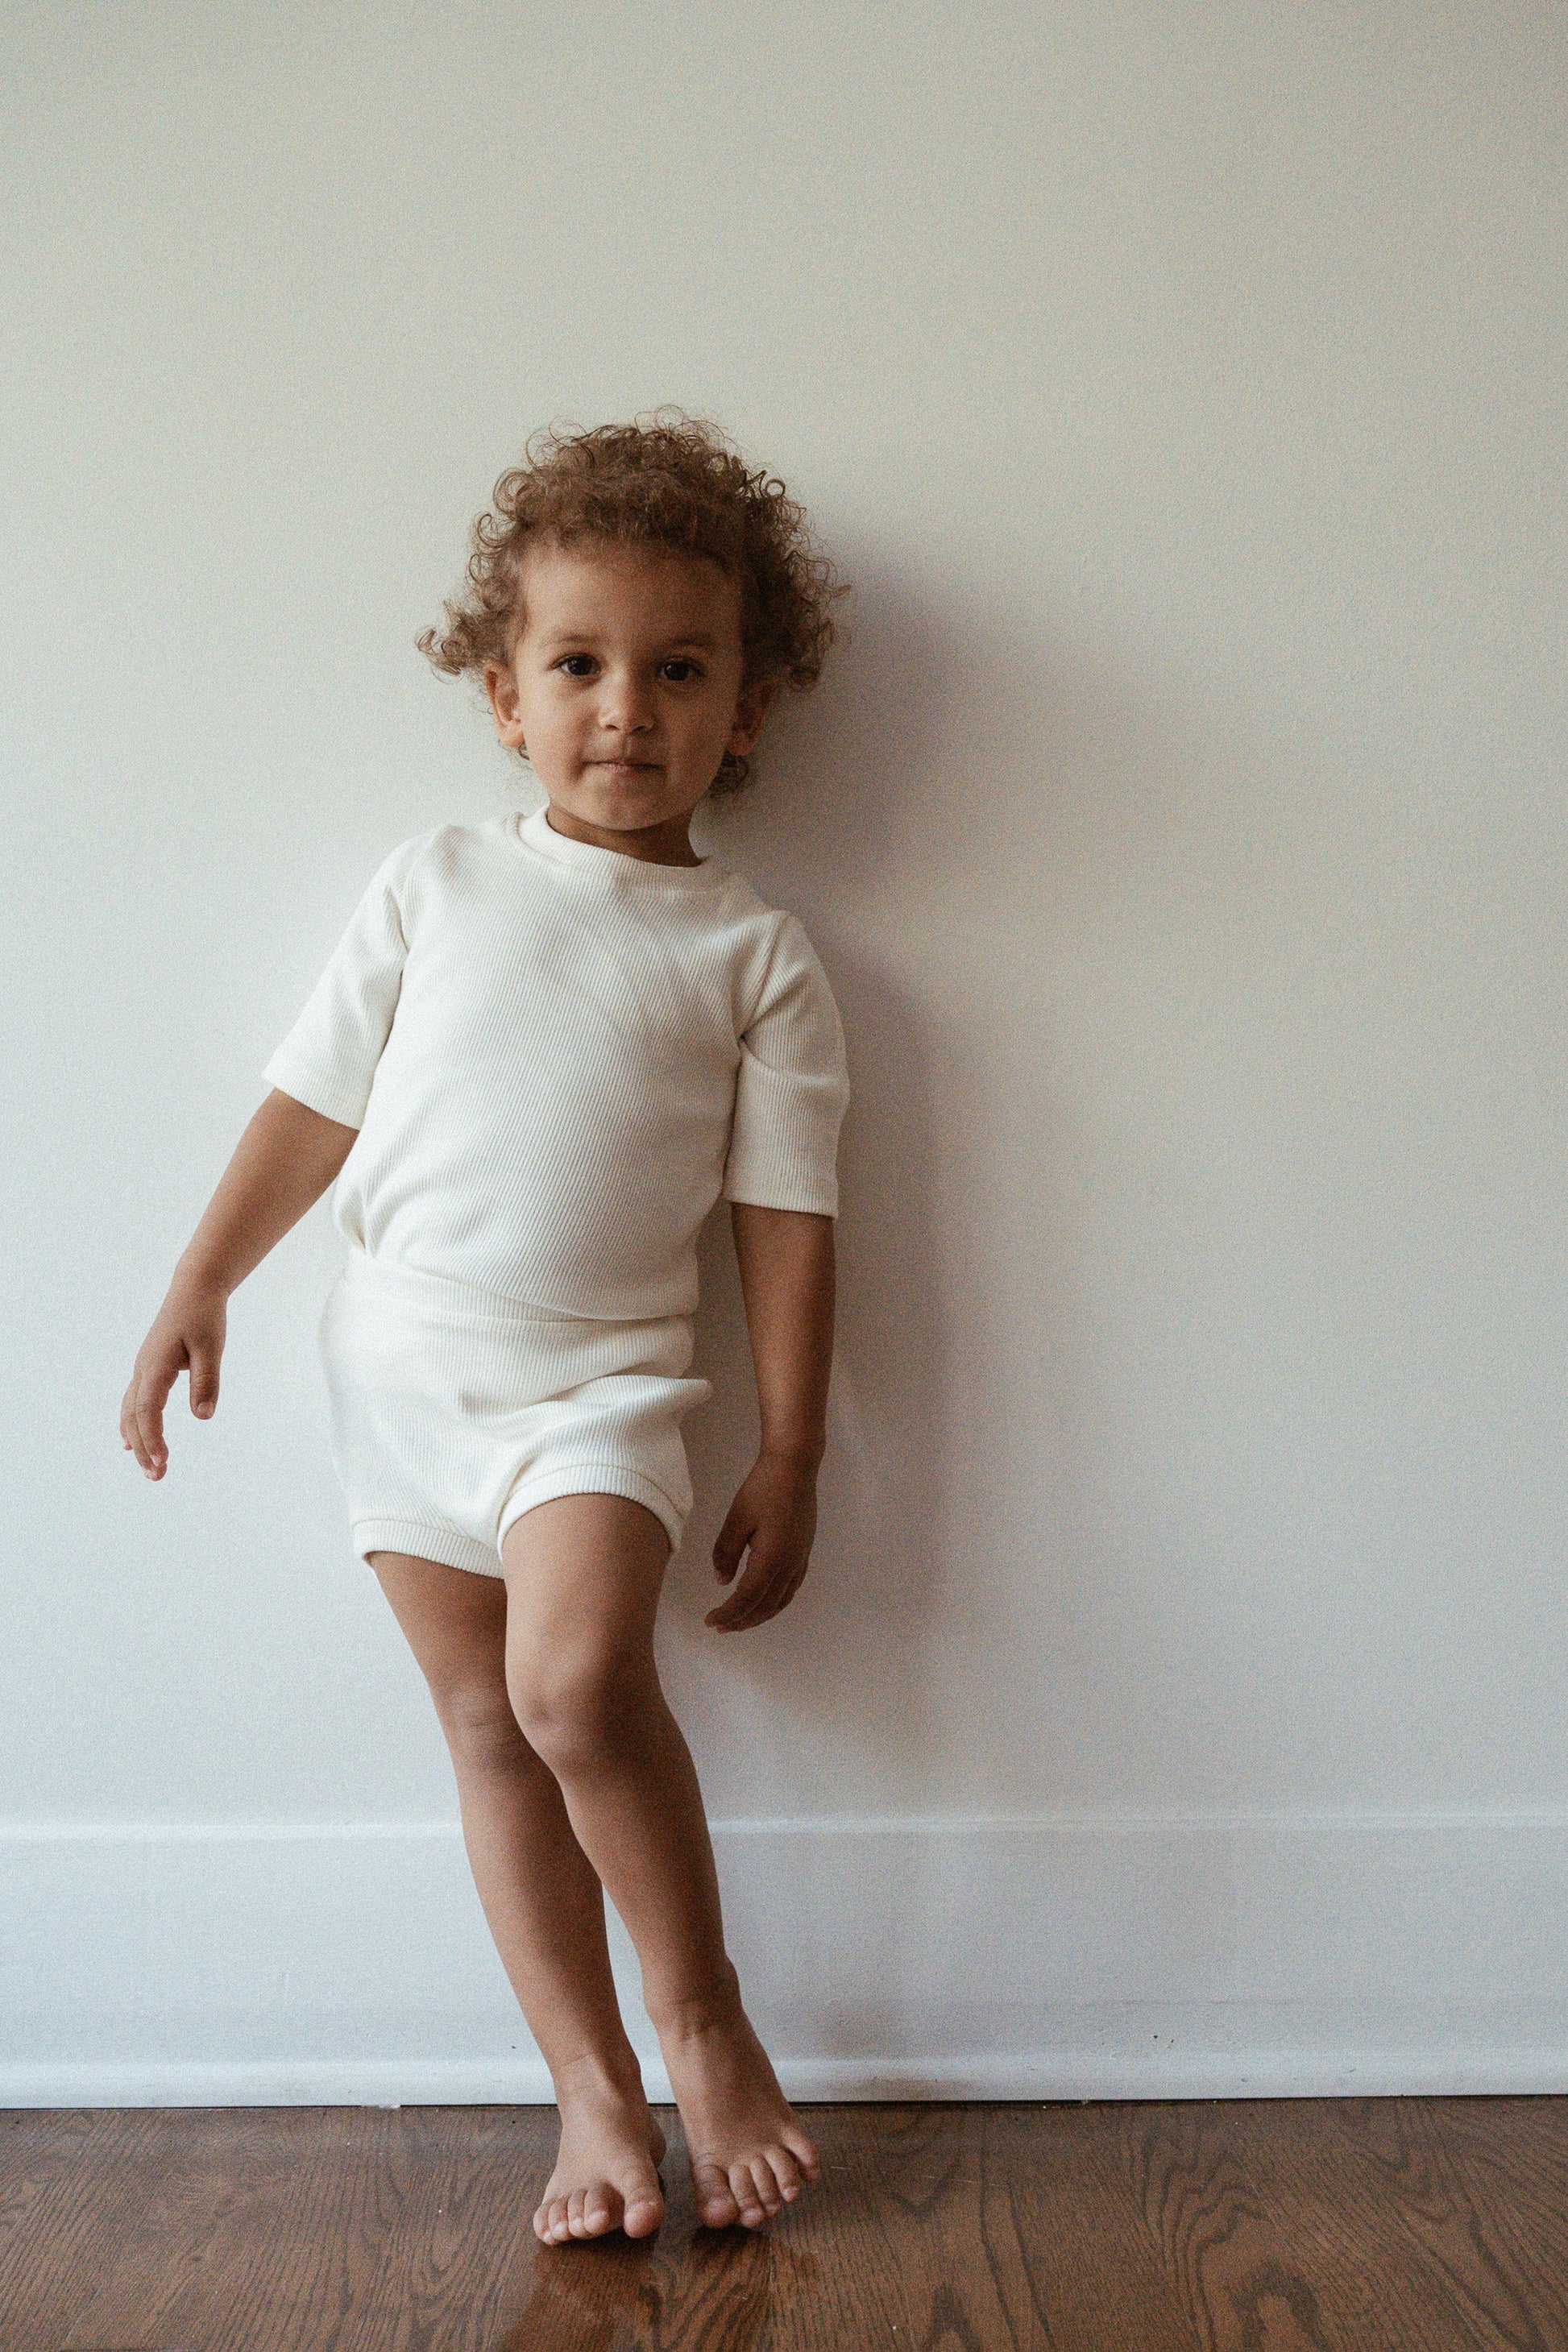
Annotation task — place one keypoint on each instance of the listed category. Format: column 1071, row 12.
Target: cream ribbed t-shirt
column 558, row 1056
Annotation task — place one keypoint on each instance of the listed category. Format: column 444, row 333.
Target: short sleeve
column 328, row 1059
column 792, row 1089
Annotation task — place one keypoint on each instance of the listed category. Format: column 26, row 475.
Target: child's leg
column 543, row 1899
column 582, row 1574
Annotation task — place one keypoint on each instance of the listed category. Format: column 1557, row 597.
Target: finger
column 753, row 1598
column 770, row 1605
column 151, row 1391
column 769, row 1595
column 152, row 1453
column 203, row 1383
column 726, row 1612
column 740, row 1621
column 732, row 1539
column 782, row 1600
column 130, row 1436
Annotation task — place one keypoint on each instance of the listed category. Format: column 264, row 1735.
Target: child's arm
column 285, row 1160
column 785, row 1258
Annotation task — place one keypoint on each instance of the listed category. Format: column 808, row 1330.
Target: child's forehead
column 600, row 582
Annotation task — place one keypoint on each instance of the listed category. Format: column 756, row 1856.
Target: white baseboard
column 1044, row 1957
column 1304, row 2074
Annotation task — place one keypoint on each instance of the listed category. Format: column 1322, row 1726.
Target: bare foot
column 607, row 2168
column 749, row 2155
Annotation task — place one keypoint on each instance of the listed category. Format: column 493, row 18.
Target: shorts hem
column 426, row 1539
column 594, row 1478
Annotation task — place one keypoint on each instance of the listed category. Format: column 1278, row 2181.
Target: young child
column 542, row 1050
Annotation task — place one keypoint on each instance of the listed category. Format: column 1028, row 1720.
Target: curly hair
column 665, row 480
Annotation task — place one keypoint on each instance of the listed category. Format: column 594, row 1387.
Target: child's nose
column 627, row 704
column 626, row 692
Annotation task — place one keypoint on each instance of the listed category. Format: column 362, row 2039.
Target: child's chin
column 630, row 803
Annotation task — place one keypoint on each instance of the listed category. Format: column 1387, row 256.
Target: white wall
column 1175, row 1698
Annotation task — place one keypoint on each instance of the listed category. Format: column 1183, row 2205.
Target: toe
column 598, row 2212
column 579, row 2228
column 644, row 2214
column 715, row 2199
column 745, row 2190
column 768, row 2187
column 787, row 2171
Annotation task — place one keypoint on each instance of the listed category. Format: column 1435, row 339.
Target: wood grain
column 1373, row 2225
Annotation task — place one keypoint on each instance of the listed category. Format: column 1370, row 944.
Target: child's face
column 624, row 686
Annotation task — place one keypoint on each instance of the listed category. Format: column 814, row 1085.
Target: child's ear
column 751, row 709
column 501, row 687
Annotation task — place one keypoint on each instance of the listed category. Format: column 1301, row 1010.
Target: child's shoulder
column 465, row 857
column 442, row 852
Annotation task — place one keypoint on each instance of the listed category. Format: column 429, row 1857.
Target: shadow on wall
column 819, row 833
column 1057, row 917
column 880, row 1492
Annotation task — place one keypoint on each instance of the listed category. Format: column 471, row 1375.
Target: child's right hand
column 187, row 1334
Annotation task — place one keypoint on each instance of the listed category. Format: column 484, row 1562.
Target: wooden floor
column 1261, row 2225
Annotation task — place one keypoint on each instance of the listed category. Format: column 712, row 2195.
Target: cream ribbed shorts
column 454, row 1411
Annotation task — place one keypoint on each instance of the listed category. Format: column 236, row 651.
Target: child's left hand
column 775, row 1513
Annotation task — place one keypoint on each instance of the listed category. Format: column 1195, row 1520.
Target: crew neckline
column 586, row 857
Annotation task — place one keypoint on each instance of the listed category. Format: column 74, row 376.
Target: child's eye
column 675, row 662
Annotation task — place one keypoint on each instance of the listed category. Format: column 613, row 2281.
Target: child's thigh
column 583, row 1573
column 454, row 1621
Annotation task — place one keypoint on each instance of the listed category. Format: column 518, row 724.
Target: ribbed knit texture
column 558, row 1058
column 454, row 1411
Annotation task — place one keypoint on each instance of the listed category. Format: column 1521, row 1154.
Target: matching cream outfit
column 558, row 1058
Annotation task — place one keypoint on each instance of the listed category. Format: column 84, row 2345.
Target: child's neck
column 667, row 842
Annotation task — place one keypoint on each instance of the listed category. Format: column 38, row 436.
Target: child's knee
column 576, row 1711
column 480, row 1724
